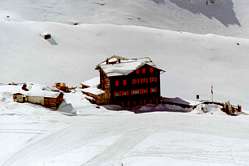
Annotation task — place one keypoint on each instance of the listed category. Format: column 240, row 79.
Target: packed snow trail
column 114, row 154
column 63, row 141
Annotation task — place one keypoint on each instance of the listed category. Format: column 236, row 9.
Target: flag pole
column 212, row 93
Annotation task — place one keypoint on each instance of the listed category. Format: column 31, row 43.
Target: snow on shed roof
column 116, row 65
column 94, row 82
column 42, row 93
column 38, row 91
column 93, row 90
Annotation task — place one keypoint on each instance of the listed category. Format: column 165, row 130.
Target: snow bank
column 211, row 109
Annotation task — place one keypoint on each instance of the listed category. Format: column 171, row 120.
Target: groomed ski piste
column 89, row 136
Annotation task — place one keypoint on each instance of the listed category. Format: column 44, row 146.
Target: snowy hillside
column 192, row 62
column 35, row 136
column 226, row 17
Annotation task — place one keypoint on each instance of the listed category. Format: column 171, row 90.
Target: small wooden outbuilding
column 45, row 98
column 62, row 86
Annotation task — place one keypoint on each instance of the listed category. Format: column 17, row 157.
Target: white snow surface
column 32, row 135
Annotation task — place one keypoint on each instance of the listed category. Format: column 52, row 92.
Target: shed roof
column 42, row 93
column 94, row 82
column 93, row 90
column 117, row 66
column 37, row 91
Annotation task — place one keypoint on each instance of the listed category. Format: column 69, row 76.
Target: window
column 151, row 70
column 120, row 93
column 144, row 71
column 125, row 82
column 116, row 94
column 153, row 90
column 125, row 93
column 135, row 92
column 153, row 79
column 138, row 81
column 134, row 81
column 142, row 91
column 138, row 71
column 116, row 83
column 142, row 80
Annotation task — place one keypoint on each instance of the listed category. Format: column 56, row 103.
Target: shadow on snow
column 221, row 10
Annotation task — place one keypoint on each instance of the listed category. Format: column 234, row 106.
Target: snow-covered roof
column 38, row 91
column 180, row 101
column 116, row 65
column 93, row 90
column 42, row 93
column 94, row 82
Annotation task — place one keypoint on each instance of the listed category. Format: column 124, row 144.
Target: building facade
column 140, row 87
column 129, row 82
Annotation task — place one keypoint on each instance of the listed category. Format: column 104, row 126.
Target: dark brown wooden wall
column 136, row 99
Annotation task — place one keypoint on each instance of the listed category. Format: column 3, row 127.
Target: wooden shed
column 45, row 98
column 20, row 98
column 63, row 87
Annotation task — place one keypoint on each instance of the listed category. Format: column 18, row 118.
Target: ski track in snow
column 44, row 147
column 113, row 155
column 167, row 136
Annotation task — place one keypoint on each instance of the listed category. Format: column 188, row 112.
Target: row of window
column 144, row 70
column 136, row 81
column 134, row 92
column 120, row 83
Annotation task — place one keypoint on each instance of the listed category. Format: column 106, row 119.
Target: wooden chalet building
column 128, row 82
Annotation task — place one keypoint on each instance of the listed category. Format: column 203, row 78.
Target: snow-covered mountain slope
column 226, row 17
column 193, row 62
